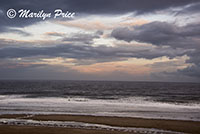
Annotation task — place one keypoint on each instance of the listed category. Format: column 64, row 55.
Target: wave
column 129, row 107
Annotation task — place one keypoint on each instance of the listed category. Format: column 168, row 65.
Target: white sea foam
column 131, row 107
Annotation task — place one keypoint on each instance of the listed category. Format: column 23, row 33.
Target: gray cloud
column 86, row 52
column 16, row 31
column 83, row 37
column 193, row 70
column 181, row 40
column 166, row 34
column 83, row 7
column 160, row 33
column 96, row 6
column 121, row 6
column 190, row 9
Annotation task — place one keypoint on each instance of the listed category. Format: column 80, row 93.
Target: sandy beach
column 49, row 130
column 160, row 124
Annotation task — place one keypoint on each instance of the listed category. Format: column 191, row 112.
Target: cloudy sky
column 134, row 40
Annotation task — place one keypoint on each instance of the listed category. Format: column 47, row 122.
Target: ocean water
column 107, row 98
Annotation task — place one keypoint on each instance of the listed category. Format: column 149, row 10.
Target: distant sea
column 107, row 98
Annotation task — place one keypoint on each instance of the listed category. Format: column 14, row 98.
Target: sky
column 123, row 40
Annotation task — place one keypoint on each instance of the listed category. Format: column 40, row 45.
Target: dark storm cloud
column 180, row 39
column 191, row 9
column 83, row 7
column 96, row 6
column 194, row 57
column 6, row 23
column 193, row 70
column 85, row 55
column 123, row 6
column 86, row 52
column 161, row 33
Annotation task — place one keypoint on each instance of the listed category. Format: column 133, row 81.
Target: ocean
column 108, row 98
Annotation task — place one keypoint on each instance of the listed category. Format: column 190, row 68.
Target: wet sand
column 4, row 129
column 171, row 125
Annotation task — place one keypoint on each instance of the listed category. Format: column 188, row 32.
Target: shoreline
column 5, row 129
column 161, row 124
